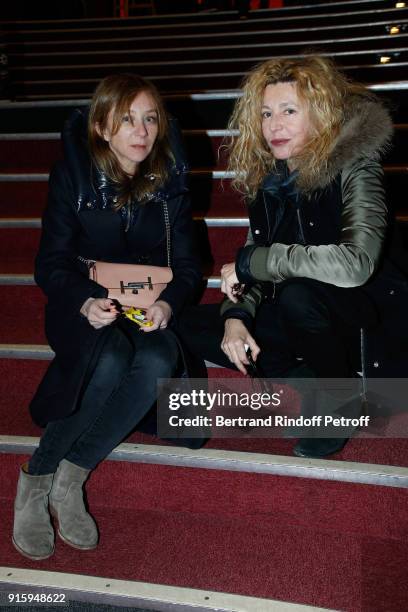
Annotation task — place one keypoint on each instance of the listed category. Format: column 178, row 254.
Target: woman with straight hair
column 119, row 196
column 316, row 269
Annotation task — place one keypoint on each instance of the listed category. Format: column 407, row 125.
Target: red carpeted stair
column 23, row 314
column 19, row 246
column 22, row 199
column 21, row 376
column 319, row 542
column 209, row 195
column 336, row 545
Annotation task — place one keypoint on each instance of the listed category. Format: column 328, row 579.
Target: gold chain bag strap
column 133, row 284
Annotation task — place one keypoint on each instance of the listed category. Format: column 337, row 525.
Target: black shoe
column 318, row 447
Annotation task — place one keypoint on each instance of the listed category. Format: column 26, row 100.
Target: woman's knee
column 107, row 368
column 115, row 355
column 302, row 308
column 158, row 351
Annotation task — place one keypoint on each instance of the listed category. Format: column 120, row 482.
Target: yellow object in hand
column 138, row 315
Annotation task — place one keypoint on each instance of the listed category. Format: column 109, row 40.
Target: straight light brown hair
column 117, row 93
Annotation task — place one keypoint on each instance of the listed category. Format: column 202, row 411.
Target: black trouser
column 121, row 390
column 309, row 319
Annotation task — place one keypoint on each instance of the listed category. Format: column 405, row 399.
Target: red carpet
column 29, row 155
column 40, row 155
column 22, row 321
column 320, row 543
column 22, row 199
column 210, row 197
column 21, row 377
column 18, row 248
column 212, row 296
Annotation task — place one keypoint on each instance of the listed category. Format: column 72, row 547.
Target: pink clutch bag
column 131, row 284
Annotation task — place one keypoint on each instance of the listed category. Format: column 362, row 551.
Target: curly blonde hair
column 324, row 89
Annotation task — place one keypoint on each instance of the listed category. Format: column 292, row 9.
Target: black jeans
column 309, row 319
column 121, row 390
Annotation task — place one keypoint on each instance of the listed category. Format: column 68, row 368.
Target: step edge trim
column 25, row 351
column 152, row 50
column 17, row 279
column 35, row 222
column 124, row 592
column 36, row 68
column 33, row 177
column 385, row 12
column 23, row 136
column 189, row 76
column 209, row 95
column 40, row 351
column 28, row 279
column 239, row 461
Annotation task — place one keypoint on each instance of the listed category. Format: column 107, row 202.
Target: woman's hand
column 99, row 312
column 230, row 284
column 160, row 314
column 236, row 336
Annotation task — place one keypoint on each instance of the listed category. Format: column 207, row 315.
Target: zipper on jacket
column 88, row 262
column 127, row 218
column 302, row 235
column 266, row 295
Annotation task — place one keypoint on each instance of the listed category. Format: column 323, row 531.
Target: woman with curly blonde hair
column 320, row 87
column 314, row 270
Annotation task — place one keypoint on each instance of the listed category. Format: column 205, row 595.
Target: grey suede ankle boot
column 75, row 525
column 33, row 534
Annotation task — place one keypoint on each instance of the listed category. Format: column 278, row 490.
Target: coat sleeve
column 352, row 261
column 184, row 261
column 250, row 300
column 57, row 270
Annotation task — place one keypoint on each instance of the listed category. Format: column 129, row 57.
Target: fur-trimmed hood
column 366, row 133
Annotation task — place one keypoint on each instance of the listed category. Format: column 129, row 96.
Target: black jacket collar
column 92, row 187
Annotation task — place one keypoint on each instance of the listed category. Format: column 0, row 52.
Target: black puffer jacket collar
column 93, row 188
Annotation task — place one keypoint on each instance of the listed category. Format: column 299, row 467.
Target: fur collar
column 366, row 133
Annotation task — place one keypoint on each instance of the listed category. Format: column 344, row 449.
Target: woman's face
column 136, row 136
column 286, row 125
